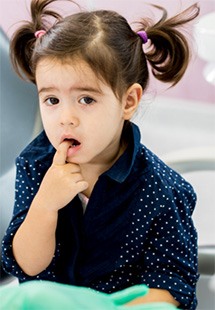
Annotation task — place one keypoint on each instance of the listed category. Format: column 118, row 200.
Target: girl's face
column 76, row 106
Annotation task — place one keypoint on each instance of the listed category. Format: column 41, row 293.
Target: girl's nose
column 68, row 117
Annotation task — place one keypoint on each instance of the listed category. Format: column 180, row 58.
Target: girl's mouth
column 73, row 148
column 74, row 143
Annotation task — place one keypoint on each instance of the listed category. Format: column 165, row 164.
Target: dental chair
column 182, row 133
column 198, row 166
column 20, row 122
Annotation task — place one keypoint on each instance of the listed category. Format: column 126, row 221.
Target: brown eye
column 87, row 100
column 52, row 101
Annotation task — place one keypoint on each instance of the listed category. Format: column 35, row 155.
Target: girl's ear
column 131, row 100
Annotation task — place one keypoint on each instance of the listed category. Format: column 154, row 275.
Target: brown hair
column 105, row 40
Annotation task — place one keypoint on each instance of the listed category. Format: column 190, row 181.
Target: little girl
column 94, row 207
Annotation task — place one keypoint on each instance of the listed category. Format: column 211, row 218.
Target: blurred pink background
column 193, row 86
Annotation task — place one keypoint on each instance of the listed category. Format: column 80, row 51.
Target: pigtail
column 169, row 51
column 21, row 47
column 23, row 42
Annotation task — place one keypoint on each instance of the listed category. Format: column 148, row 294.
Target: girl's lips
column 70, row 138
column 73, row 142
column 74, row 146
column 73, row 149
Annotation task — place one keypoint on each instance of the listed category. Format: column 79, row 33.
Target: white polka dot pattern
column 154, row 243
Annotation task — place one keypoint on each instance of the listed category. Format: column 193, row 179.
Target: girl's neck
column 92, row 171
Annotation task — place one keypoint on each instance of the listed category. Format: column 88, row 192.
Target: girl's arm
column 34, row 242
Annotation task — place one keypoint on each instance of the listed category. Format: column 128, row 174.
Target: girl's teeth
column 73, row 142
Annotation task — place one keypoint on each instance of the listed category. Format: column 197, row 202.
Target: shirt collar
column 122, row 167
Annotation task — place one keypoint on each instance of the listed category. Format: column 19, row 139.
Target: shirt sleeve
column 28, row 179
column 170, row 258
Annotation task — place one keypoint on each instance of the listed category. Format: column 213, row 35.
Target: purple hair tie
column 143, row 35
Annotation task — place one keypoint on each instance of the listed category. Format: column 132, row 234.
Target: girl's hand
column 62, row 182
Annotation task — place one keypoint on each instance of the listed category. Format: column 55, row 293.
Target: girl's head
column 106, row 42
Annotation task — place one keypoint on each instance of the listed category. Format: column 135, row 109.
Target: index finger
column 61, row 153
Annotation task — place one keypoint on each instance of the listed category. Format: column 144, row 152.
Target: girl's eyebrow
column 84, row 89
column 46, row 90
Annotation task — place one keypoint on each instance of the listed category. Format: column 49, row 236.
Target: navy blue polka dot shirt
column 137, row 226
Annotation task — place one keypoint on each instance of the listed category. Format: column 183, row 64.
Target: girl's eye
column 87, row 100
column 52, row 101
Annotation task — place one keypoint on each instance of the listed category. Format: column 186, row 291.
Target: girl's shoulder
column 155, row 166
column 159, row 176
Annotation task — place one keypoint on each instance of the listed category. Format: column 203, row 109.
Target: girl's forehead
column 53, row 67
column 53, row 71
column 49, row 64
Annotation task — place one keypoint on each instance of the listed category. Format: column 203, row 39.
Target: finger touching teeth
column 73, row 142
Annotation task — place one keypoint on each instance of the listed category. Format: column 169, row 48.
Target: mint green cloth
column 45, row 295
